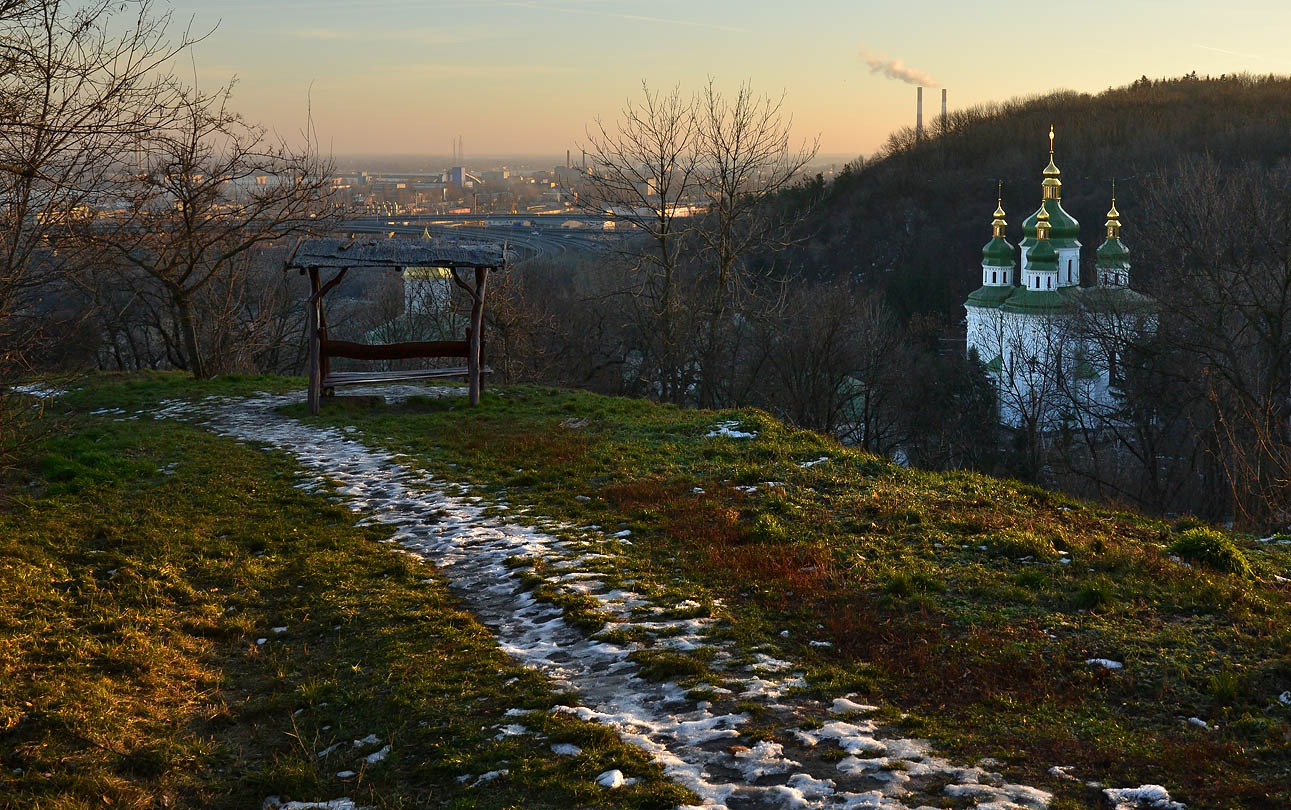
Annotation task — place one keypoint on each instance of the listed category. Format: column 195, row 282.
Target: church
column 1053, row 347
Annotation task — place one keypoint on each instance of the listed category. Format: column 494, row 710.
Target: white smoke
column 896, row 69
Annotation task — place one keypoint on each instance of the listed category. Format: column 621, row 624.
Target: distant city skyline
column 527, row 76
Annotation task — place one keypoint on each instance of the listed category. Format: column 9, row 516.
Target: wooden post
column 477, row 327
column 315, row 363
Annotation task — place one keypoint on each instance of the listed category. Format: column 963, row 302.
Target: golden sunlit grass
column 136, row 578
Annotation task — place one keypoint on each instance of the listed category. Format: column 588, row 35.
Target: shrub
column 1212, row 549
column 767, row 529
column 1186, row 522
column 1097, row 594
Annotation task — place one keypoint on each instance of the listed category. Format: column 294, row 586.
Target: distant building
column 1051, row 345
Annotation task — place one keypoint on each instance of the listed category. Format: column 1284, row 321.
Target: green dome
column 989, row 297
column 1026, row 301
column 998, row 253
column 1042, row 257
column 1063, row 227
column 1113, row 253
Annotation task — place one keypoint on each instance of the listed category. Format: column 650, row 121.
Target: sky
column 528, row 76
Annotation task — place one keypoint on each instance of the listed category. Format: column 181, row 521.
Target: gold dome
column 1042, row 223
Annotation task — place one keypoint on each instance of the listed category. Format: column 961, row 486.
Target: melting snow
column 691, row 740
column 566, row 750
column 1143, row 797
column 274, row 803
column 730, row 430
column 1105, row 663
column 611, row 779
column 845, row 706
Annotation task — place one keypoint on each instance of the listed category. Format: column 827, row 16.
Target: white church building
column 1052, row 346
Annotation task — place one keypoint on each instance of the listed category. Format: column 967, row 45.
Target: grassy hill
column 913, row 220
column 147, row 558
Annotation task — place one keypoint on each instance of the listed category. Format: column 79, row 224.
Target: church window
column 1051, row 284
column 1069, row 270
column 993, row 276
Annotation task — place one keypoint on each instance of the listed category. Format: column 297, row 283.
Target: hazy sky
column 405, row 76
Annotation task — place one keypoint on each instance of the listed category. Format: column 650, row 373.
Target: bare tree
column 642, row 173
column 79, row 85
column 1222, row 243
column 692, row 178
column 215, row 189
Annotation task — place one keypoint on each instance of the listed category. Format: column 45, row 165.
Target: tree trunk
column 188, row 330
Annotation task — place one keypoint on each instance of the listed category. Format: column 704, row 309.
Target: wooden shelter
column 320, row 257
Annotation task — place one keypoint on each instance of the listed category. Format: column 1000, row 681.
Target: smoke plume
column 896, row 69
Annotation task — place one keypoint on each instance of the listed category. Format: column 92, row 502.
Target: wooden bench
column 397, row 351
column 316, row 255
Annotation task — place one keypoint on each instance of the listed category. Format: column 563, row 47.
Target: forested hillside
column 913, row 220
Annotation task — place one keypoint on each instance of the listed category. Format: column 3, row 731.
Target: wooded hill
column 913, row 220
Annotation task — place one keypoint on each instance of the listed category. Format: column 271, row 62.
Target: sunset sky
column 405, row 76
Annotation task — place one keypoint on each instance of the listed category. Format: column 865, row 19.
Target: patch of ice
column 1285, row 698
column 274, row 803
column 490, row 776
column 762, row 759
column 1105, row 663
column 279, row 630
column 845, row 706
column 260, row 642
column 329, row 749
column 820, row 643
column 345, row 774
column 1143, row 797
column 805, row 738
column 376, row 756
column 1199, row 723
column 371, row 739
column 512, row 730
column 807, row 464
column 39, row 391
column 611, row 779
column 730, row 430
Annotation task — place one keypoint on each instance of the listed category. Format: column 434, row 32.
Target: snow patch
column 611, row 779
column 1105, row 663
column 1143, row 797
column 729, row 430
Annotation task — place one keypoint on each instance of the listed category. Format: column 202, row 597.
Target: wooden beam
column 477, row 330
column 395, row 351
column 315, row 360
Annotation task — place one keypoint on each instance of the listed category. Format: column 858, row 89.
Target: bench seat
column 338, row 379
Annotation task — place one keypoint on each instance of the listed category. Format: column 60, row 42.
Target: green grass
column 1213, row 549
column 139, row 567
column 966, row 601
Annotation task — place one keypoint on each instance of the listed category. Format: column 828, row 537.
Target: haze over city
column 406, row 76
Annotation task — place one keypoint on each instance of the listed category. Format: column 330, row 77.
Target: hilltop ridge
column 912, row 220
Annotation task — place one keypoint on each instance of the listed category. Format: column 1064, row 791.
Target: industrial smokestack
column 943, row 108
column 568, row 164
column 918, row 117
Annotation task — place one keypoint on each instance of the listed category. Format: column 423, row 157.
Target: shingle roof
column 390, row 253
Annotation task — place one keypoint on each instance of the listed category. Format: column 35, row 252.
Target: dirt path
column 829, row 755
